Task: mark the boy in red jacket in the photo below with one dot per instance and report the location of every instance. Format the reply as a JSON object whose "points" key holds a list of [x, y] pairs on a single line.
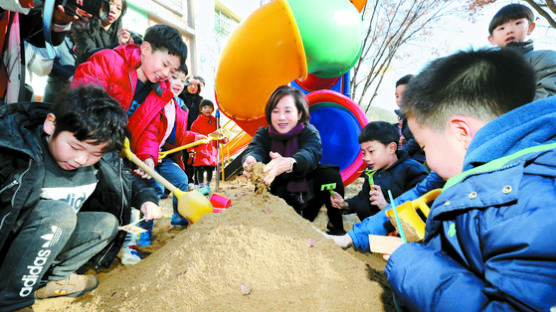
{"points": [[136, 76]]}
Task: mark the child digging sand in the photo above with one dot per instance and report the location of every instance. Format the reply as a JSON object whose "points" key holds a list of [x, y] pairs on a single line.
{"points": [[389, 169], [488, 243], [62, 200]]}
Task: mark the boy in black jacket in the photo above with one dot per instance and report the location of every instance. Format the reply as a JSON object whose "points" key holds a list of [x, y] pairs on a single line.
{"points": [[63, 193], [389, 169]]}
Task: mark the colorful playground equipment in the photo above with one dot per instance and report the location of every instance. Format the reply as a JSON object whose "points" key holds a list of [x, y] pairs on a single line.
{"points": [[339, 121], [287, 40]]}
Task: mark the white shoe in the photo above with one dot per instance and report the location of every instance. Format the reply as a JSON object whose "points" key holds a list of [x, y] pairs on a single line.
{"points": [[130, 256]]}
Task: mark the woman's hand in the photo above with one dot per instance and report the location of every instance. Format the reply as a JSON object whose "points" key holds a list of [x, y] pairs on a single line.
{"points": [[337, 201], [60, 17], [248, 161], [150, 210], [276, 167], [376, 197], [124, 37]]}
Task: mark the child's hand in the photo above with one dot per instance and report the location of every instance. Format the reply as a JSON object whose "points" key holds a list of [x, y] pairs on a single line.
{"points": [[141, 173], [150, 210], [337, 201], [376, 197], [248, 161], [225, 140], [199, 137], [343, 241], [276, 167]]}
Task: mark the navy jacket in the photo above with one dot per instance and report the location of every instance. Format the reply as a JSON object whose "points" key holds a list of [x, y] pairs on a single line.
{"points": [[489, 243], [402, 176]]}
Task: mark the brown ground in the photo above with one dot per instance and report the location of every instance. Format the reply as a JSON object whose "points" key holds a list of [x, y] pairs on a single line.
{"points": [[259, 255]]}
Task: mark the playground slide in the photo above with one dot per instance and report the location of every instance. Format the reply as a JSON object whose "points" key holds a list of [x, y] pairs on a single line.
{"points": [[282, 41]]}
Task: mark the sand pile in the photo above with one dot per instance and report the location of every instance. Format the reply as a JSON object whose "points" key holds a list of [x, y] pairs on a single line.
{"points": [[259, 255]]}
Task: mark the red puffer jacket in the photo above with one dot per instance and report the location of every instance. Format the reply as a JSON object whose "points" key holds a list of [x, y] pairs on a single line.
{"points": [[116, 71], [205, 154], [183, 136]]}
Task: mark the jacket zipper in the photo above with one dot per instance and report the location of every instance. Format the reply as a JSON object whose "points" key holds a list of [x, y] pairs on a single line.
{"points": [[12, 184], [109, 246]]}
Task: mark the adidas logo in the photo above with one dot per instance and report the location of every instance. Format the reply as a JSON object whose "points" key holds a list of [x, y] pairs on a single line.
{"points": [[41, 259]]}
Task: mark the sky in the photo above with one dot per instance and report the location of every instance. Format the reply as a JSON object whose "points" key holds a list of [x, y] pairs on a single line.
{"points": [[452, 34]]}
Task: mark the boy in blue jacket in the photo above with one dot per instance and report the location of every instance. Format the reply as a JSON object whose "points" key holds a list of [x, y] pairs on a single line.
{"points": [[389, 169], [487, 241]]}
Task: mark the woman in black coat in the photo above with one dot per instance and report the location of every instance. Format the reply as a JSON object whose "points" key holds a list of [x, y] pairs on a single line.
{"points": [[101, 34], [291, 149]]}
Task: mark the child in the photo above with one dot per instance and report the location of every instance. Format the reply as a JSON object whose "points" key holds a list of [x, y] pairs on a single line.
{"points": [[291, 149], [487, 242], [191, 97], [510, 27], [409, 144], [393, 170], [62, 198], [206, 157], [136, 77], [176, 135]]}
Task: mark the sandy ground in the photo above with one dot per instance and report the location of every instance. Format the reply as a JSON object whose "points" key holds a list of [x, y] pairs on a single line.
{"points": [[258, 255]]}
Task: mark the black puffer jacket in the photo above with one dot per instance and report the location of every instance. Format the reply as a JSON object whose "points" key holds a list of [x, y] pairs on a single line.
{"points": [[22, 174]]}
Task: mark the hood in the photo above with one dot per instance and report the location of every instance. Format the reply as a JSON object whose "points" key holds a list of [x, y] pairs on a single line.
{"points": [[529, 125], [19, 123]]}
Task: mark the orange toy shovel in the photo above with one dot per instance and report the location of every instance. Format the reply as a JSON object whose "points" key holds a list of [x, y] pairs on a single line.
{"points": [[191, 205]]}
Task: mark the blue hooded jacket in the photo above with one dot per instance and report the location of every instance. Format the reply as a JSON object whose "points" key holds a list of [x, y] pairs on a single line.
{"points": [[489, 243]]}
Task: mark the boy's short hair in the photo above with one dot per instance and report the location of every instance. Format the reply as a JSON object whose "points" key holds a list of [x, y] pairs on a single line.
{"points": [[137, 38], [404, 80], [206, 102], [164, 37], [183, 69], [484, 84], [510, 12], [299, 100], [381, 131], [90, 113]]}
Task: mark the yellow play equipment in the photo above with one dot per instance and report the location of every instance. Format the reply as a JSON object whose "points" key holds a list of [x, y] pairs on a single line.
{"points": [[273, 29], [410, 219], [191, 205]]}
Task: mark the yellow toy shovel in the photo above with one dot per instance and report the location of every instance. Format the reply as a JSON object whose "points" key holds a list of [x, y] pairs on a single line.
{"points": [[412, 224], [216, 135], [191, 205]]}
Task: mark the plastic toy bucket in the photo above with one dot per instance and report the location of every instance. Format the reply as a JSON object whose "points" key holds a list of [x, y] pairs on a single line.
{"points": [[219, 202]]}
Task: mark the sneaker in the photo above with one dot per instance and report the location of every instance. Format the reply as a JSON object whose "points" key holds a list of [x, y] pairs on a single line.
{"points": [[331, 230], [130, 255], [145, 239], [73, 286], [204, 190], [178, 220]]}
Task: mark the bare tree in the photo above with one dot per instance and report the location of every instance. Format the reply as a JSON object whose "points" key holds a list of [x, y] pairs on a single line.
{"points": [[389, 25], [546, 9]]}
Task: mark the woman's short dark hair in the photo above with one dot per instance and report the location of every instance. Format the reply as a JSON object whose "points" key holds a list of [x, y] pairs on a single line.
{"points": [[90, 113], [298, 98], [200, 79]]}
